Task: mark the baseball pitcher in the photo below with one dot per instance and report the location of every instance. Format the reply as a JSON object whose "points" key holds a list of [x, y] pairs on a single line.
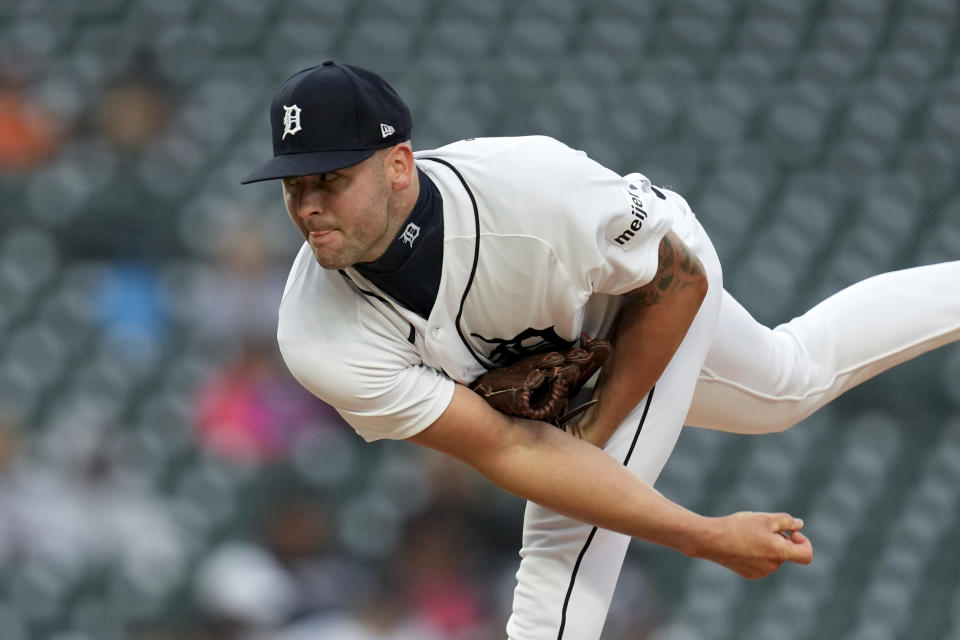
{"points": [[506, 259]]}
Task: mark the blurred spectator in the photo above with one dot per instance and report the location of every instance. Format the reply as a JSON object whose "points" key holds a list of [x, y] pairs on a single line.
{"points": [[29, 134], [299, 534], [130, 309], [435, 562], [385, 614], [123, 219], [69, 512], [495, 515], [246, 594], [135, 108], [252, 410], [8, 445], [241, 296], [241, 590]]}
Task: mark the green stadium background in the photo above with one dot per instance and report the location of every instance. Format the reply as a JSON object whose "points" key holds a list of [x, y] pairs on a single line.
{"points": [[162, 477]]}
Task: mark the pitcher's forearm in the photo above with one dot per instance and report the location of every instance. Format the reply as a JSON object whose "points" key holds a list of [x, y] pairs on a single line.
{"points": [[536, 461], [578, 480]]}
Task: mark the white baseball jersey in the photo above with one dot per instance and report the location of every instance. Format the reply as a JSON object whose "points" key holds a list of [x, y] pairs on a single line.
{"points": [[537, 242]]}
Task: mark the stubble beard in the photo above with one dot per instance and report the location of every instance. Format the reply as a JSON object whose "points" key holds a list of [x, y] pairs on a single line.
{"points": [[371, 227]]}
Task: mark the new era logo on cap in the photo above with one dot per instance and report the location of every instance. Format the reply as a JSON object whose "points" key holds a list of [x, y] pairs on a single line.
{"points": [[329, 117]]}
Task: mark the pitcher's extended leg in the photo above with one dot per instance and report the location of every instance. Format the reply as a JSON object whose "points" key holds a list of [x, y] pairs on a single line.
{"points": [[758, 380]]}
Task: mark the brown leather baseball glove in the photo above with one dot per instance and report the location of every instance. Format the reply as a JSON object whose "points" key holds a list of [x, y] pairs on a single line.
{"points": [[540, 386]]}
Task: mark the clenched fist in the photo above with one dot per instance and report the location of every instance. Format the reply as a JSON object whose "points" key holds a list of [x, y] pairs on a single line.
{"points": [[756, 544]]}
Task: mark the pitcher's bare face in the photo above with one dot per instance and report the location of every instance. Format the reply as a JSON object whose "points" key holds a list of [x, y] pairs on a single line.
{"points": [[343, 214]]}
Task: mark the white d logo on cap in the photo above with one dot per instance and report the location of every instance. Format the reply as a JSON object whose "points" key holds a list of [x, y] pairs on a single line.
{"points": [[291, 120]]}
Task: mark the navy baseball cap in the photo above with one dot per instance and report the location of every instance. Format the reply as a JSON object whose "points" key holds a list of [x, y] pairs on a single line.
{"points": [[329, 117]]}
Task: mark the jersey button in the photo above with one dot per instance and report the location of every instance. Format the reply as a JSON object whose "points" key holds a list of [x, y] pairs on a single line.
{"points": [[435, 332]]}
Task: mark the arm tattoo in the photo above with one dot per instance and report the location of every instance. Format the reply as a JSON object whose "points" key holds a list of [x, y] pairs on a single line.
{"points": [[678, 268]]}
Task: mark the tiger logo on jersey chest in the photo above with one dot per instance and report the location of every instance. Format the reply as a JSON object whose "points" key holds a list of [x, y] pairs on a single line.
{"points": [[526, 343]]}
